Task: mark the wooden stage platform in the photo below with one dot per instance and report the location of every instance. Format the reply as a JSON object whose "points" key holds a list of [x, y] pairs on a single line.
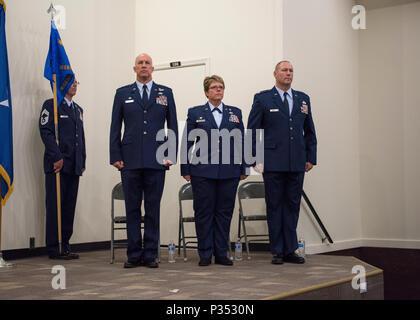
{"points": [[92, 277]]}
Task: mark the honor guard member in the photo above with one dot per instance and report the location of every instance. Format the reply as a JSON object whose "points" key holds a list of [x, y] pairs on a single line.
{"points": [[68, 158], [214, 183], [144, 107], [289, 151]]}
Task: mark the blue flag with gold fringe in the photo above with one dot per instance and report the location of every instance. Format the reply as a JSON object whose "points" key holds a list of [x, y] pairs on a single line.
{"points": [[58, 63], [6, 137]]}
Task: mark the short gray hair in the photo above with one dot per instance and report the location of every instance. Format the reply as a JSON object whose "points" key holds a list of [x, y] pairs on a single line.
{"points": [[283, 61]]}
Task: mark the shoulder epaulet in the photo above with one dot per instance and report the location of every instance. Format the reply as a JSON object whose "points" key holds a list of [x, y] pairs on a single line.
{"points": [[124, 88], [300, 93], [233, 108], [163, 87], [264, 91], [195, 108], [49, 103], [78, 106]]}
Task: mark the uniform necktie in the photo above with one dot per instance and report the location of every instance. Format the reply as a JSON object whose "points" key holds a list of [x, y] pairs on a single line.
{"points": [[217, 109], [73, 109], [145, 97], [286, 103]]}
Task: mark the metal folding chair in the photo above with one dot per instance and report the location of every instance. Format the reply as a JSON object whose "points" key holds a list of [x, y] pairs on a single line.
{"points": [[250, 190], [186, 193], [120, 222]]}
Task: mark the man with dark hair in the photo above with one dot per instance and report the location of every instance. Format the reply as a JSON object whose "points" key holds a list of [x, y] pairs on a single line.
{"points": [[68, 158]]}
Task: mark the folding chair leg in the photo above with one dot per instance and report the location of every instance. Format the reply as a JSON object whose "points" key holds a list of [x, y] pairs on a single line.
{"points": [[246, 240], [179, 237], [239, 226], [112, 243], [183, 241]]}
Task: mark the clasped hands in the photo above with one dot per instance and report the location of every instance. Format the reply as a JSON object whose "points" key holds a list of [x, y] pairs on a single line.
{"points": [[120, 164]]}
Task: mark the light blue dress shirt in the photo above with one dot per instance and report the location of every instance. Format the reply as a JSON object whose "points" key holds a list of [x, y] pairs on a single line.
{"points": [[68, 101], [289, 98], [217, 115], [149, 88]]}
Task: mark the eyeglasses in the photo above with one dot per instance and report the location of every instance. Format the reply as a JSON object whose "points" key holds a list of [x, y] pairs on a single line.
{"points": [[217, 87]]}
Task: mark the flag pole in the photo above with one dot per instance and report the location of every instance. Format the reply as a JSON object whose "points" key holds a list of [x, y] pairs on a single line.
{"points": [[52, 11], [57, 175], [3, 264]]}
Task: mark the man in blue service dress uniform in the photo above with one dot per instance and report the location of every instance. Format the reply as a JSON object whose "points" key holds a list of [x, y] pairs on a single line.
{"points": [[214, 180], [289, 151], [144, 107], [68, 158]]}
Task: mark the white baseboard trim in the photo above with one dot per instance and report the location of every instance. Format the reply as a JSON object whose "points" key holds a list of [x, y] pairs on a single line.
{"points": [[336, 246], [392, 243], [357, 243]]}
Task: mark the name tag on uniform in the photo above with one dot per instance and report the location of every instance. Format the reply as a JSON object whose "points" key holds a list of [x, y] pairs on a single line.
{"points": [[201, 120], [129, 101], [64, 117], [274, 110]]}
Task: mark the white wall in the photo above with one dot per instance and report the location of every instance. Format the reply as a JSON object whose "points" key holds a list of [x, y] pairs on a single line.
{"points": [[319, 40], [389, 127], [99, 42], [242, 39], [244, 42]]}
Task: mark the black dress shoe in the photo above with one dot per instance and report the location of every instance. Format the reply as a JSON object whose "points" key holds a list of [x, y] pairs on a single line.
{"points": [[204, 262], [225, 261], [294, 258], [133, 264], [151, 264], [59, 257], [277, 259], [71, 255]]}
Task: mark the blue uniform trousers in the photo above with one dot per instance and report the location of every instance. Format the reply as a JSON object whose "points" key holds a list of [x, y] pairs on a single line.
{"points": [[283, 192], [214, 201], [69, 185], [137, 182]]}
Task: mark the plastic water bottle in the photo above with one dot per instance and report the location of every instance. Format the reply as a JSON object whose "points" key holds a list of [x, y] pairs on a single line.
{"points": [[301, 247], [171, 252], [238, 250]]}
